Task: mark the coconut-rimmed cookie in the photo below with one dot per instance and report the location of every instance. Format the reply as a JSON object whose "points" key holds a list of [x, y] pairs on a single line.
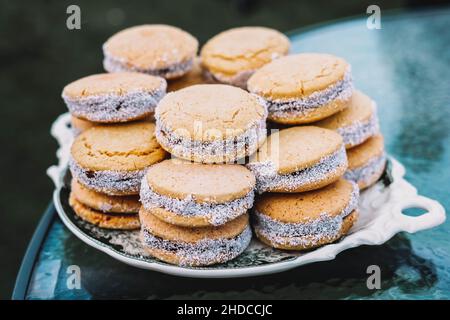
{"points": [[159, 50], [114, 97], [303, 88], [299, 221], [366, 162], [79, 125], [356, 123], [299, 159], [232, 56], [110, 220], [112, 159], [211, 123], [197, 195], [193, 77], [194, 246], [103, 202]]}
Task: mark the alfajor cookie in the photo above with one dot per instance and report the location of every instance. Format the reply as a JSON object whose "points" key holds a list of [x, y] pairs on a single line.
{"points": [[197, 195], [107, 220], [356, 123], [211, 123], [194, 246], [299, 159], [79, 125], [159, 50], [232, 56], [114, 97], [112, 159], [303, 88], [299, 221], [366, 162], [194, 76]]}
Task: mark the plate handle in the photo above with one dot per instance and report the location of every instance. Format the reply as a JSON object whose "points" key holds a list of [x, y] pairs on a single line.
{"points": [[434, 215]]}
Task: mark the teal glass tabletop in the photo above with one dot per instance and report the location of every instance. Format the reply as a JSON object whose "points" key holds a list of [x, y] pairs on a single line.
{"points": [[405, 67]]}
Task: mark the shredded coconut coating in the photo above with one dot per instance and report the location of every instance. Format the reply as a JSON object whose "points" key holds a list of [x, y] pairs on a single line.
{"points": [[111, 182], [359, 132], [341, 90], [112, 64], [305, 234], [365, 173], [244, 144], [114, 107], [203, 252], [216, 213], [267, 177]]}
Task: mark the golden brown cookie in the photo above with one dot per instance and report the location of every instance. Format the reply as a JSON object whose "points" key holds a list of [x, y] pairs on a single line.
{"points": [[196, 195], [210, 123], [303, 88], [299, 159], [114, 97], [193, 77], [160, 50], [298, 221], [232, 56], [119, 221], [112, 159], [194, 246], [366, 162], [356, 123], [104, 203]]}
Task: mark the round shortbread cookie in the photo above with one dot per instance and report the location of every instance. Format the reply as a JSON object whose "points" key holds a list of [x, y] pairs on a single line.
{"points": [[195, 195], [210, 123], [159, 50], [114, 97], [298, 159], [297, 221], [232, 56], [356, 123], [366, 162], [303, 88], [112, 159], [194, 246], [104, 220]]}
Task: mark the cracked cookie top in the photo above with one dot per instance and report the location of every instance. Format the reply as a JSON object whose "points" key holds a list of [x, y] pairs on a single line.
{"points": [[209, 112], [243, 49], [297, 76], [120, 147]]}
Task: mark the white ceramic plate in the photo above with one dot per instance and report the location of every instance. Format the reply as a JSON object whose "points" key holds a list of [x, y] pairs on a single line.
{"points": [[380, 218]]}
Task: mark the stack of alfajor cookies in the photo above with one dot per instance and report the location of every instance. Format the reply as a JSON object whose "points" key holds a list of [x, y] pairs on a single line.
{"points": [[301, 181]]}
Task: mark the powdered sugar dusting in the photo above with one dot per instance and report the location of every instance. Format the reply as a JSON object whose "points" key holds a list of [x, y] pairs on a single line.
{"points": [[216, 213], [114, 107], [358, 132], [203, 252], [108, 181], [309, 233], [267, 177], [283, 108], [365, 173]]}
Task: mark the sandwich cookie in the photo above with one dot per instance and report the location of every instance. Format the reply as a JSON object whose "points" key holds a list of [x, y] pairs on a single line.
{"points": [[194, 246], [299, 221], [159, 50], [114, 97], [303, 88], [112, 159], [194, 76], [356, 123], [299, 159], [366, 162], [197, 195], [107, 220], [232, 56], [211, 123], [79, 125]]}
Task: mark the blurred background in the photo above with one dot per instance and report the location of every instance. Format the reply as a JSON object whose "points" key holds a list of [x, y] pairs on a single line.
{"points": [[39, 55]]}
